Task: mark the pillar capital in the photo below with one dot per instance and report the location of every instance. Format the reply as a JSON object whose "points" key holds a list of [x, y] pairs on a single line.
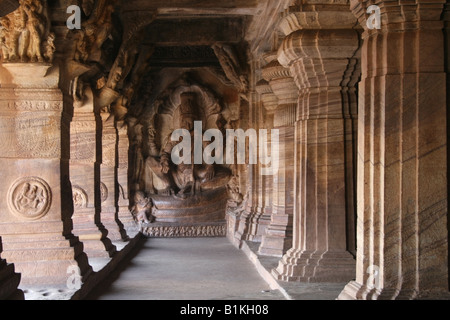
{"points": [[274, 70], [399, 16], [281, 82], [326, 16], [268, 98], [318, 44]]}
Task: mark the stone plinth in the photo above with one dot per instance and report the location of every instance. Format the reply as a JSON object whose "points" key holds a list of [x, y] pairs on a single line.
{"points": [[201, 215], [34, 220]]}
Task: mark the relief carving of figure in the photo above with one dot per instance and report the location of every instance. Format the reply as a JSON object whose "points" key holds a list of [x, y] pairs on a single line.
{"points": [[234, 193], [184, 180], [5, 32], [36, 28], [30, 197], [137, 158], [25, 35], [142, 208]]}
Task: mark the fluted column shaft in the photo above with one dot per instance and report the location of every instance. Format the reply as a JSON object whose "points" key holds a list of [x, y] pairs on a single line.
{"points": [[109, 189], [85, 179], [323, 60], [124, 215], [402, 155], [278, 236], [256, 216]]}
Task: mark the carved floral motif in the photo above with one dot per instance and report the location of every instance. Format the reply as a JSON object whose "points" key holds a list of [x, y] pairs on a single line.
{"points": [[185, 231]]}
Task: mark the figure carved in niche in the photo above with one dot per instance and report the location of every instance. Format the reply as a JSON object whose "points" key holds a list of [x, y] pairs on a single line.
{"points": [[142, 208], [136, 148], [184, 180], [234, 193], [25, 36]]}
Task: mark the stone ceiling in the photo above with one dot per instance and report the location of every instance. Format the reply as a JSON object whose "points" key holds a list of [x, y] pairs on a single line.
{"points": [[205, 22], [183, 32]]}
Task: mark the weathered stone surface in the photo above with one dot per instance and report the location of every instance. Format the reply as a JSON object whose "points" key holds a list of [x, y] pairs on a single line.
{"points": [[85, 179], [34, 221], [319, 60], [402, 157], [86, 114], [278, 235]]}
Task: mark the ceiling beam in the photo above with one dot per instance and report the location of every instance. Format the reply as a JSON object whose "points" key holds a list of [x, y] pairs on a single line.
{"points": [[242, 7], [198, 31]]}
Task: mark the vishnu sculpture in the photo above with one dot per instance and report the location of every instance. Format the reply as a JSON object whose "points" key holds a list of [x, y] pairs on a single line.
{"points": [[179, 192], [184, 179]]}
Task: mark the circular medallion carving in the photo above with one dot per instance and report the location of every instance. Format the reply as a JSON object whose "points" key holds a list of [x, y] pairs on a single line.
{"points": [[80, 198], [30, 198], [103, 192]]}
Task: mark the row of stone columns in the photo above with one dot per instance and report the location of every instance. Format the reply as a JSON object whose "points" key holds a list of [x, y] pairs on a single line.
{"points": [[390, 166], [61, 205], [35, 218]]}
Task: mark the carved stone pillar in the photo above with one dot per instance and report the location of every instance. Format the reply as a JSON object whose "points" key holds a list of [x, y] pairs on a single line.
{"points": [[9, 281], [124, 215], [36, 201], [402, 155], [108, 180], [85, 178], [278, 237], [320, 49], [256, 216]]}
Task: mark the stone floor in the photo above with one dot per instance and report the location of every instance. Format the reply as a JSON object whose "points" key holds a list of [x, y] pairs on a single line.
{"points": [[202, 269], [185, 269]]}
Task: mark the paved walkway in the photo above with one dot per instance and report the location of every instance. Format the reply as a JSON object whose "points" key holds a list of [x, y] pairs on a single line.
{"points": [[186, 269]]}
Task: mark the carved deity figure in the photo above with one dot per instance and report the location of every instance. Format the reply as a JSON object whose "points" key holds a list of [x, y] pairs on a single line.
{"points": [[184, 180], [31, 197], [234, 193], [25, 35], [36, 24], [137, 158], [5, 31], [142, 208]]}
